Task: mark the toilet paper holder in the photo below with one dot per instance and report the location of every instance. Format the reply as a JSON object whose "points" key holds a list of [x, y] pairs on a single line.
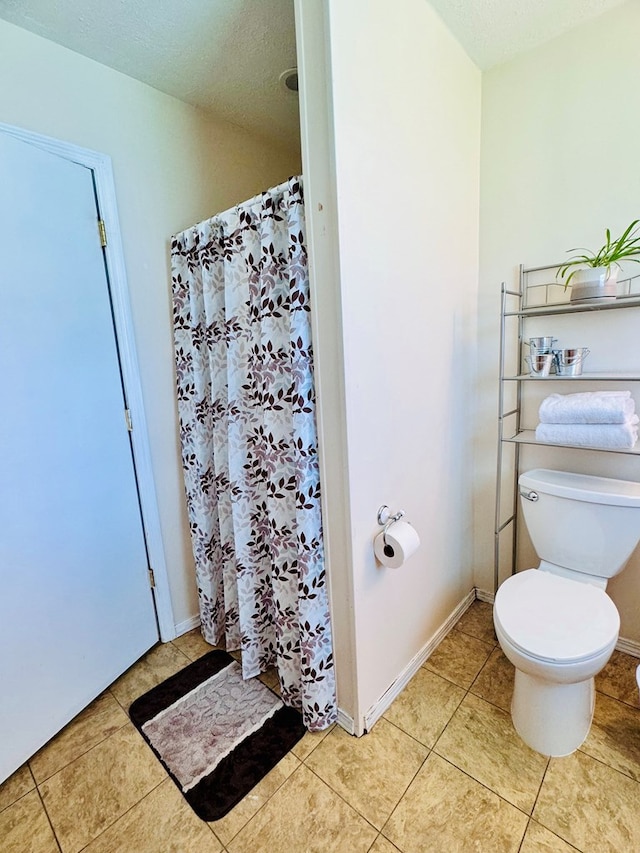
{"points": [[386, 519]]}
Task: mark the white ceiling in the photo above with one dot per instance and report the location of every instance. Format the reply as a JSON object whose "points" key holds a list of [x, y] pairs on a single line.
{"points": [[493, 31], [226, 56]]}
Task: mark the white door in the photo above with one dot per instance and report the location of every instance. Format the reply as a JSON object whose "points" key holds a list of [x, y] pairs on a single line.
{"points": [[76, 608]]}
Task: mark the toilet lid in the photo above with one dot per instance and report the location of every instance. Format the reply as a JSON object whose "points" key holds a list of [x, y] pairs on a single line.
{"points": [[555, 618]]}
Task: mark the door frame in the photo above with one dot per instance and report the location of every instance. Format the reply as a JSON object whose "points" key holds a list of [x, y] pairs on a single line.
{"points": [[100, 165]]}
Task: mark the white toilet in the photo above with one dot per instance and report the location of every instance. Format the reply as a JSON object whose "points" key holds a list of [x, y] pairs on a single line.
{"points": [[556, 623]]}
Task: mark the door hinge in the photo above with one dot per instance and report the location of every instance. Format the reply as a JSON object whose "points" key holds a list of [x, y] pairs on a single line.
{"points": [[152, 578], [103, 233], [127, 419]]}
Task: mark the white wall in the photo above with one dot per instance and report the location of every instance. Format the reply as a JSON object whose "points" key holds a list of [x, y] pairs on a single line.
{"points": [[405, 104], [560, 142], [173, 167], [322, 237]]}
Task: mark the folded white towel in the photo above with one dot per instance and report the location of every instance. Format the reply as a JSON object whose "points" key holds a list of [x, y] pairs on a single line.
{"points": [[617, 436], [591, 407]]}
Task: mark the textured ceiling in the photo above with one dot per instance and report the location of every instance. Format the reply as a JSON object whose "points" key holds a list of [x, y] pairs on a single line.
{"points": [[226, 56], [493, 31]]}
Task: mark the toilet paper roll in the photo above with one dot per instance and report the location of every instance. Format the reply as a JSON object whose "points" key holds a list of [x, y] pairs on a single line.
{"points": [[402, 541]]}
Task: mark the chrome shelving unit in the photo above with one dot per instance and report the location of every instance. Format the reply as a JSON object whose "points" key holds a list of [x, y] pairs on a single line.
{"points": [[538, 296]]}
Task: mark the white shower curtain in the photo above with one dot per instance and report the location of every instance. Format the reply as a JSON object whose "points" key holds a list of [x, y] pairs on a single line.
{"points": [[249, 446]]}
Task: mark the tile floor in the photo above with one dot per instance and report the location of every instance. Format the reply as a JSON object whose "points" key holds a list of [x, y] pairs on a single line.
{"points": [[442, 771]]}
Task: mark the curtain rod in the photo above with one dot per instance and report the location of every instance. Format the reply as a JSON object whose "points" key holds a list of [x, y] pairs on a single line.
{"points": [[256, 198], [243, 204]]}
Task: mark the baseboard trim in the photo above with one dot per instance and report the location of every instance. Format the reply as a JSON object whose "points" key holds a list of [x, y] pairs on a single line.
{"points": [[393, 691], [346, 722], [187, 625], [629, 647], [481, 595]]}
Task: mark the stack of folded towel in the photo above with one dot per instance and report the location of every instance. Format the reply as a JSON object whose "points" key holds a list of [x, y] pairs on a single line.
{"points": [[592, 419]]}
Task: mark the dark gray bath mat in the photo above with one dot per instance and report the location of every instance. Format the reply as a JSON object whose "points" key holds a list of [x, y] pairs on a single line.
{"points": [[216, 734]]}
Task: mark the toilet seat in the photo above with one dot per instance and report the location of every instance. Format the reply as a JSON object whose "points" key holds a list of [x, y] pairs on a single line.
{"points": [[554, 618]]}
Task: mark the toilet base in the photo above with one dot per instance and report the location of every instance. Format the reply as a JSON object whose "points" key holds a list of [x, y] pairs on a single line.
{"points": [[553, 719]]}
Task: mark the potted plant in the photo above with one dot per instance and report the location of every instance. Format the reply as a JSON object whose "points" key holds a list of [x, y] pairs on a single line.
{"points": [[593, 275]]}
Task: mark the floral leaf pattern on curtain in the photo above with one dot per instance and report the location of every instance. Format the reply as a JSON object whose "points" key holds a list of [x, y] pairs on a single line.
{"points": [[246, 401]]}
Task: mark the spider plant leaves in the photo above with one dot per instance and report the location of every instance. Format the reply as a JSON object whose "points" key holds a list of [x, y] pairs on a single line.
{"points": [[627, 234], [626, 247]]}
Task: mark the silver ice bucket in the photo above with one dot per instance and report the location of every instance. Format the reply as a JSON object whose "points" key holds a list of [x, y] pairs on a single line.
{"points": [[541, 345], [569, 361], [540, 363]]}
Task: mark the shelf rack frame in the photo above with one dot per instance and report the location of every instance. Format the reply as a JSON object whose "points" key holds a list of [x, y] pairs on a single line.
{"points": [[628, 297]]}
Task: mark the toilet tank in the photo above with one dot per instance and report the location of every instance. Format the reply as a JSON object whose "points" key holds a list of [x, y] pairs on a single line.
{"points": [[582, 523]]}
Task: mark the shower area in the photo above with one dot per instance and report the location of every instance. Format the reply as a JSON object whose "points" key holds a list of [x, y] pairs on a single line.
{"points": [[246, 401]]}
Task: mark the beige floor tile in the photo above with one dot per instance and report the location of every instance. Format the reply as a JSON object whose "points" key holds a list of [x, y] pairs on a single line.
{"points": [[495, 680], [100, 719], [371, 772], [589, 805], [445, 810], [270, 679], [92, 792], [481, 740], [618, 678], [477, 621], [162, 821], [614, 738], [383, 845], [309, 742], [537, 839], [157, 665], [459, 658], [16, 786], [305, 815], [193, 644], [230, 825], [425, 706], [24, 827]]}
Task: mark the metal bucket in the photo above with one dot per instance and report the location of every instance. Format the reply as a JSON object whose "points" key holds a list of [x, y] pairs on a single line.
{"points": [[540, 363], [538, 349], [541, 345], [569, 361]]}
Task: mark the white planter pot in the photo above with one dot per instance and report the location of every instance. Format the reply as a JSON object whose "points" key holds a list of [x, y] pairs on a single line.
{"points": [[597, 284]]}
